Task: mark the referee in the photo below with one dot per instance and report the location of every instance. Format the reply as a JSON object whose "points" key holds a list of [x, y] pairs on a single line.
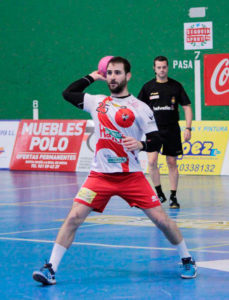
{"points": [[163, 95]]}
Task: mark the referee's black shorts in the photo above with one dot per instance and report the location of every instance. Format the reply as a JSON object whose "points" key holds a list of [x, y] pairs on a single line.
{"points": [[171, 140]]}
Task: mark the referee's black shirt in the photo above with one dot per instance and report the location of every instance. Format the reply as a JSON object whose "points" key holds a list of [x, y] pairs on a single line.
{"points": [[163, 99]]}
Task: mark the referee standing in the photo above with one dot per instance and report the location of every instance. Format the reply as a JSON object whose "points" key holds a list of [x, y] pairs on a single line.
{"points": [[163, 95]]}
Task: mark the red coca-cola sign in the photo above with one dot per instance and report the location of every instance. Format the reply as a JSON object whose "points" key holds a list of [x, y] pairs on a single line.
{"points": [[216, 79]]}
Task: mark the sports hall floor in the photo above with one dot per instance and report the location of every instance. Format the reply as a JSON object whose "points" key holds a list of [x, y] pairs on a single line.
{"points": [[118, 254]]}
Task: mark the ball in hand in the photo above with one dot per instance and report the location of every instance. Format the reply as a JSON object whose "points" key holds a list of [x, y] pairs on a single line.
{"points": [[102, 66]]}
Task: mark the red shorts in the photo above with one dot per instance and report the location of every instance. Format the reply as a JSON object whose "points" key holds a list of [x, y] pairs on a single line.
{"points": [[134, 188]]}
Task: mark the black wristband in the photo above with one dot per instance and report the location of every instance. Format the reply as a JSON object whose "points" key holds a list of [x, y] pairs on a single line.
{"points": [[144, 146], [189, 128]]}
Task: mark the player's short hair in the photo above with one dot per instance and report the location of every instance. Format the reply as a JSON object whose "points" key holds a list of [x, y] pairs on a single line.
{"points": [[160, 58], [124, 61]]}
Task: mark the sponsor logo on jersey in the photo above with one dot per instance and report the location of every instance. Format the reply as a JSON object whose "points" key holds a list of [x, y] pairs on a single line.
{"points": [[154, 96], [112, 160], [113, 133], [110, 134], [124, 117], [116, 105], [173, 100], [156, 108]]}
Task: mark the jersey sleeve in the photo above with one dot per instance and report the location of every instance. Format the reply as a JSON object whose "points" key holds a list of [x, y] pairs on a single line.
{"points": [[146, 119], [91, 101], [74, 92]]}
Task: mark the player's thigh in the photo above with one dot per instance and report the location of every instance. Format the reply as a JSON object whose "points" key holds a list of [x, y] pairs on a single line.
{"points": [[138, 192], [156, 214], [96, 191]]}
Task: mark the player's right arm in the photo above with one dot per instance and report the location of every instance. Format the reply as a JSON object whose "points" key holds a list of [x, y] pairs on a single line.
{"points": [[74, 92]]}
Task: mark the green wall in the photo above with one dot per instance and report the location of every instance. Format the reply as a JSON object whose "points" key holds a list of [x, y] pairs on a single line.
{"points": [[45, 45]]}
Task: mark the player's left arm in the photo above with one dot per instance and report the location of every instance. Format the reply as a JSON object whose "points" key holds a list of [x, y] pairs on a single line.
{"points": [[147, 123], [188, 117], [151, 144]]}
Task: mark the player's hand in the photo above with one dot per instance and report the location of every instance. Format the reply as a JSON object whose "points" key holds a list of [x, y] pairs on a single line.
{"points": [[187, 135], [131, 144], [97, 76]]}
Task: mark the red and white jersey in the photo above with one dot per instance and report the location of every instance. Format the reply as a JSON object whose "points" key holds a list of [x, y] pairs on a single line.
{"points": [[114, 119]]}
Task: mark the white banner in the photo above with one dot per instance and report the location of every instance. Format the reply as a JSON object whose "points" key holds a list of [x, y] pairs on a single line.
{"points": [[8, 132], [198, 35]]}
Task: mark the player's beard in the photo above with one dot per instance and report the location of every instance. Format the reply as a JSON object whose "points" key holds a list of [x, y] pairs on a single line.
{"points": [[119, 88]]}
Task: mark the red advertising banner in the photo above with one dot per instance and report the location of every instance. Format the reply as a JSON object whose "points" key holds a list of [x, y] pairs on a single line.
{"points": [[48, 145], [216, 79]]}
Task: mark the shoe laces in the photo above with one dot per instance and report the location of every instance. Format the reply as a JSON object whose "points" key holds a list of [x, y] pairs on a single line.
{"points": [[49, 267], [187, 262]]}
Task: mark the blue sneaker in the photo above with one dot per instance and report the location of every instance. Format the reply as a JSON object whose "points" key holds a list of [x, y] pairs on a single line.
{"points": [[46, 275], [189, 268]]}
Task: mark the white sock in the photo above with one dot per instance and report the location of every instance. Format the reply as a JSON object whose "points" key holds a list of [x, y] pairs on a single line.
{"points": [[56, 256], [182, 249]]}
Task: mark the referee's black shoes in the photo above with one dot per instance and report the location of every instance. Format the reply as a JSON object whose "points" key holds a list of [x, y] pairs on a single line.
{"points": [[173, 202]]}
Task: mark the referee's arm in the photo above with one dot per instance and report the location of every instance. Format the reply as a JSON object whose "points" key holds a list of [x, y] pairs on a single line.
{"points": [[188, 117]]}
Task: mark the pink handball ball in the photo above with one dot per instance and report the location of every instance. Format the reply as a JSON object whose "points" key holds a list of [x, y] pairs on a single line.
{"points": [[102, 66]]}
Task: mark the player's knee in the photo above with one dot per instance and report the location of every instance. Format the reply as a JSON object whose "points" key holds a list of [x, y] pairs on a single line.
{"points": [[74, 219], [152, 164], [172, 163], [162, 222]]}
